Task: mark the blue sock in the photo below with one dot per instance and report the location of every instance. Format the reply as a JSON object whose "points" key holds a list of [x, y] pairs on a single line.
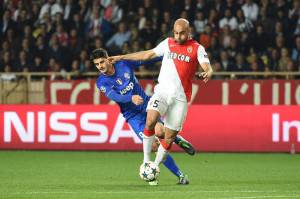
{"points": [[171, 165]]}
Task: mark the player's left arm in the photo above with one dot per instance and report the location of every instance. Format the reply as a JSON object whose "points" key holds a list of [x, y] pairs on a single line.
{"points": [[208, 71], [204, 63]]}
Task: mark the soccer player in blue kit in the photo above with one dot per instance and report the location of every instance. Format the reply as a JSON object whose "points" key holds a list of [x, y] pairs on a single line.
{"points": [[118, 82]]}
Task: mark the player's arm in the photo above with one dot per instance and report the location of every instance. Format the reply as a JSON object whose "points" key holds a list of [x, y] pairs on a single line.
{"points": [[136, 64], [113, 95], [136, 99], [142, 55], [204, 63], [208, 71], [158, 51]]}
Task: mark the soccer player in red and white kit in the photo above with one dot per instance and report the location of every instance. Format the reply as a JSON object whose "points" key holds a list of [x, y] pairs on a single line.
{"points": [[181, 56]]}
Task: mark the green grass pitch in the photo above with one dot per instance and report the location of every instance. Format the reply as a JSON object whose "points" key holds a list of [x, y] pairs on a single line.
{"points": [[81, 175]]}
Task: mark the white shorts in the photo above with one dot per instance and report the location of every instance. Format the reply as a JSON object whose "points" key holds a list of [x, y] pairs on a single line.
{"points": [[173, 110]]}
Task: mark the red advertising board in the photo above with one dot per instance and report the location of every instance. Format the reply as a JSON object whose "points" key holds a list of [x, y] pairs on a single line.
{"points": [[231, 92], [239, 128]]}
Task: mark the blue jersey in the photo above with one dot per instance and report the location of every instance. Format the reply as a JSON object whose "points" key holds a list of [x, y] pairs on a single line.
{"points": [[122, 85]]}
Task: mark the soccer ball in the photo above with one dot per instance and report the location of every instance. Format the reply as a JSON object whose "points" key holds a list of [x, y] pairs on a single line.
{"points": [[149, 171]]}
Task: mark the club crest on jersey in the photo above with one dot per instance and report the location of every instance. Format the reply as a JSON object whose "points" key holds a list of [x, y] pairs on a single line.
{"points": [[119, 81], [126, 75], [179, 57], [190, 49]]}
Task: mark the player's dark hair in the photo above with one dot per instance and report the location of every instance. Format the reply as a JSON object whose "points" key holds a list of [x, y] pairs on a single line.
{"points": [[98, 53]]}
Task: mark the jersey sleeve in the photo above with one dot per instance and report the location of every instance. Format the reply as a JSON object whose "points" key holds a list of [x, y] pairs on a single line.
{"points": [[118, 97], [113, 95], [202, 55], [161, 48]]}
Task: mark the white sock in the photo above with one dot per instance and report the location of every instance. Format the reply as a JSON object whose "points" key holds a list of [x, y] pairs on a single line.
{"points": [[147, 147], [161, 154]]}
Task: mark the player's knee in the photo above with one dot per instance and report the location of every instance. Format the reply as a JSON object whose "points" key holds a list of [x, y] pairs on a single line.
{"points": [[159, 130], [155, 145]]}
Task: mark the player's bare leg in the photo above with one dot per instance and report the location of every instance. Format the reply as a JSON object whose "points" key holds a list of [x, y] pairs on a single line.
{"points": [[168, 161], [165, 145], [179, 140], [152, 118], [163, 149], [159, 130]]}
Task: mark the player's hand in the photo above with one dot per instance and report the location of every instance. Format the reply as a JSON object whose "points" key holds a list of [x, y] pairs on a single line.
{"points": [[137, 100], [114, 59], [205, 76]]}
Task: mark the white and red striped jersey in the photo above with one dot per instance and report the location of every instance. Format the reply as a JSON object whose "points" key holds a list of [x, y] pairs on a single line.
{"points": [[179, 64]]}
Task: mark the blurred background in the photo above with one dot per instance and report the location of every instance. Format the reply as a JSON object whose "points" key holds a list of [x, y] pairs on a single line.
{"points": [[253, 46], [238, 122], [58, 35]]}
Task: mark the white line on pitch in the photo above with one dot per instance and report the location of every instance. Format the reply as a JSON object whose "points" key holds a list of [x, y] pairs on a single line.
{"points": [[154, 191], [258, 197]]}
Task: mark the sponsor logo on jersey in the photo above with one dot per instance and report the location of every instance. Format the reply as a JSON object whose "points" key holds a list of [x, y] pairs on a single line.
{"points": [[119, 81], [126, 75], [129, 87], [103, 89], [180, 57], [190, 49]]}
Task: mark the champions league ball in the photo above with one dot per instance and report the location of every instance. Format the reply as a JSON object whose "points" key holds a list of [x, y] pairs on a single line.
{"points": [[149, 171]]}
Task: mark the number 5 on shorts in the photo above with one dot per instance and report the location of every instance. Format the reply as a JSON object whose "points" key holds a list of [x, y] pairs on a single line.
{"points": [[155, 103]]}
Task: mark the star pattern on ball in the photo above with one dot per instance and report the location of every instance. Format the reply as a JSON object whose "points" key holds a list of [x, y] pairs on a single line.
{"points": [[145, 175], [154, 171]]}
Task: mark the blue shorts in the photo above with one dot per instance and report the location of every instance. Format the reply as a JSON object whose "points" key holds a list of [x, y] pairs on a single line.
{"points": [[138, 122]]}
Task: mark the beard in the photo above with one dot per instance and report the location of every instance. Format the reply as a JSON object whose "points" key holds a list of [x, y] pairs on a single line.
{"points": [[180, 41]]}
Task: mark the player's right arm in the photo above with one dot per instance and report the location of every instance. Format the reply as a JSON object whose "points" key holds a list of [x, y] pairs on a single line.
{"points": [[158, 51], [142, 55], [136, 64], [136, 99]]}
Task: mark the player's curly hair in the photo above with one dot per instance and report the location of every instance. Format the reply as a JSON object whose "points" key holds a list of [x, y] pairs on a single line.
{"points": [[98, 53]]}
